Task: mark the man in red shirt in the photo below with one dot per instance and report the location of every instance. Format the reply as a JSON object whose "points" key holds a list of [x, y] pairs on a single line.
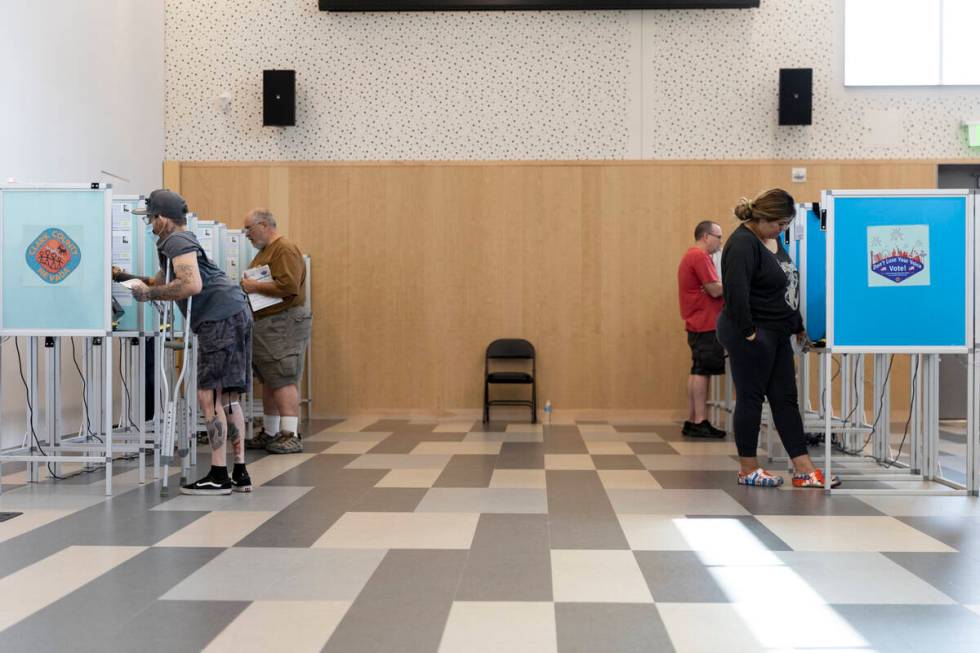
{"points": [[699, 291]]}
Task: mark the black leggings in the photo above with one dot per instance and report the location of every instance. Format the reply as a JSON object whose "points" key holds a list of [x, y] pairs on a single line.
{"points": [[763, 368]]}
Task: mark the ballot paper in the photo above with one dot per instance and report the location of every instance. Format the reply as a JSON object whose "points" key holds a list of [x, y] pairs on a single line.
{"points": [[258, 300]]}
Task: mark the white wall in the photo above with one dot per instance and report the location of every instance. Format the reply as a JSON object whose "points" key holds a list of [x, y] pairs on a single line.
{"points": [[528, 85], [81, 91]]}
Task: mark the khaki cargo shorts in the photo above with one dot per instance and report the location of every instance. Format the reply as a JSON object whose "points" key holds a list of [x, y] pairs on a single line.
{"points": [[279, 347]]}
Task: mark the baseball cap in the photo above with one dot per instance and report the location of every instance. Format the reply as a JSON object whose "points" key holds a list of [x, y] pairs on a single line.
{"points": [[164, 202]]}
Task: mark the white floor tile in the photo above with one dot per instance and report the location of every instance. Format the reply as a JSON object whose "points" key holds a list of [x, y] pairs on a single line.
{"points": [[32, 588], [628, 479], [484, 500], [822, 533], [31, 519], [267, 468], [590, 576], [490, 627], [568, 461], [218, 529], [458, 448], [296, 626], [609, 448], [518, 478], [401, 530], [400, 461], [264, 498]]}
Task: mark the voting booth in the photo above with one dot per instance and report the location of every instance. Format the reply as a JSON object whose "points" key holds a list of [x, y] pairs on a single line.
{"points": [[55, 278], [900, 280]]}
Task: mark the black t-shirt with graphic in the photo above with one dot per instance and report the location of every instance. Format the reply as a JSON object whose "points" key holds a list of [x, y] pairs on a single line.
{"points": [[761, 289]]}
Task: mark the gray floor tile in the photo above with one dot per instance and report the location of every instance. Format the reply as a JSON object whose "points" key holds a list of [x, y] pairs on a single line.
{"points": [[521, 455], [467, 471], [955, 574], [951, 629], [509, 560], [404, 606], [400, 461], [485, 500], [767, 501], [679, 577], [400, 426], [961, 533], [124, 520], [317, 471], [382, 499], [616, 462], [265, 498], [581, 514], [305, 520], [563, 439], [661, 448], [610, 628], [114, 600], [694, 479], [674, 502], [639, 428], [168, 626]]}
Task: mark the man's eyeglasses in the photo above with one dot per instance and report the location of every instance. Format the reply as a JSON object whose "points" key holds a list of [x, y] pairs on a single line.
{"points": [[148, 219], [718, 236]]}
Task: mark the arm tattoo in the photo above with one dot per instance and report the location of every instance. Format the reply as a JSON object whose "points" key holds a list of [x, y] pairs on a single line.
{"points": [[176, 289]]}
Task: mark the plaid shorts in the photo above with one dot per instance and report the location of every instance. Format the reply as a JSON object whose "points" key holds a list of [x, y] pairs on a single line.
{"points": [[280, 347], [224, 353]]}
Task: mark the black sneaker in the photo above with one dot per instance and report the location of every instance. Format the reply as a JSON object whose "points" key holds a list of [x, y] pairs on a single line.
{"points": [[718, 433], [702, 430], [687, 427], [209, 485], [240, 480]]}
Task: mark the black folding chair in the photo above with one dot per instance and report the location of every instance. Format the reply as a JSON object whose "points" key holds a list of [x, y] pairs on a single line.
{"points": [[510, 349]]}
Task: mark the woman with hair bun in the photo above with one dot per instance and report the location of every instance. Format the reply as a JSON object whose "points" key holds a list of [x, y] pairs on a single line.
{"points": [[761, 313]]}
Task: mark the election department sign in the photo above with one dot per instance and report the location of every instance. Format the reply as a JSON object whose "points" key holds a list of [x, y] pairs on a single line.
{"points": [[53, 255], [898, 256]]}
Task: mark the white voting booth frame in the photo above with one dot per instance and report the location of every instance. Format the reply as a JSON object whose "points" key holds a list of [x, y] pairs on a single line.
{"points": [[900, 281], [78, 216]]}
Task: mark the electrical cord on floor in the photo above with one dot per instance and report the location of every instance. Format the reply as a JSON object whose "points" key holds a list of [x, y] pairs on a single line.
{"points": [[874, 427], [905, 431], [833, 377], [128, 398], [88, 423], [30, 408]]}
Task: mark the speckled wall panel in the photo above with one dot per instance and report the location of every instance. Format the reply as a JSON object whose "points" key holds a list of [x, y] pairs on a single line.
{"points": [[535, 85]]}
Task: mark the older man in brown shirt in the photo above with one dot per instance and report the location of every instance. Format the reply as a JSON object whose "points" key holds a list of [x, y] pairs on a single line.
{"points": [[280, 335]]}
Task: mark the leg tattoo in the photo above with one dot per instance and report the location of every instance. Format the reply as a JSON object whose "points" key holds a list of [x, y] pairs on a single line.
{"points": [[216, 433], [236, 424]]}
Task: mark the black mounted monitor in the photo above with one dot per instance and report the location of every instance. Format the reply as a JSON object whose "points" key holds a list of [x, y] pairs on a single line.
{"points": [[530, 5]]}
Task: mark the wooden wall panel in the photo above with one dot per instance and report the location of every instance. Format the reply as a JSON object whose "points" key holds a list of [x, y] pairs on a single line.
{"points": [[417, 266]]}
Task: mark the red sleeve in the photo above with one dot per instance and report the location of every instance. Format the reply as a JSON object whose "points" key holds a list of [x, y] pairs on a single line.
{"points": [[705, 270]]}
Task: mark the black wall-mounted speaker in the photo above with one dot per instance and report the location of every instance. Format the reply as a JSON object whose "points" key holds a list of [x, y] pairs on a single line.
{"points": [[795, 96], [279, 98]]}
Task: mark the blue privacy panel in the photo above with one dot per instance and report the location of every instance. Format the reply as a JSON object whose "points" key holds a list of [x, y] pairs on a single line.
{"points": [[815, 306], [55, 260], [899, 271]]}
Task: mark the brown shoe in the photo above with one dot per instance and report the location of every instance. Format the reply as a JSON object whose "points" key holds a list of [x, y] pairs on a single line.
{"points": [[259, 441], [285, 442]]}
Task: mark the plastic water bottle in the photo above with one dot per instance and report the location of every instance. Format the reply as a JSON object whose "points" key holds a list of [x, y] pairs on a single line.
{"points": [[547, 411]]}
